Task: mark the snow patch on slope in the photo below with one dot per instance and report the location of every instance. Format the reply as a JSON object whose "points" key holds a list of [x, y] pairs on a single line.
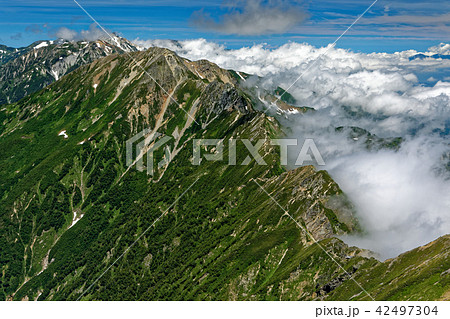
{"points": [[41, 45]]}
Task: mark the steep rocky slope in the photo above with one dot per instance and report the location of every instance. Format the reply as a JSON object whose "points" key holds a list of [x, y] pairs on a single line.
{"points": [[8, 53], [26, 70], [70, 206]]}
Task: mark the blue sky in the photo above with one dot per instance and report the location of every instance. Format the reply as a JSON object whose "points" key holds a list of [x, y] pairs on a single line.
{"points": [[389, 26]]}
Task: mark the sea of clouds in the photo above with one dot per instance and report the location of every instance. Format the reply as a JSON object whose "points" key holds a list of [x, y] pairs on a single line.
{"points": [[402, 197]]}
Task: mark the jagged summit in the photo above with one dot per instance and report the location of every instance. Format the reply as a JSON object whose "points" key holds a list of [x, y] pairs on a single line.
{"points": [[26, 70]]}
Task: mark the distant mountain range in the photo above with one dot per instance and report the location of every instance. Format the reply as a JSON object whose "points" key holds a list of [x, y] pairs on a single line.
{"points": [[422, 56], [70, 206], [26, 70], [8, 53]]}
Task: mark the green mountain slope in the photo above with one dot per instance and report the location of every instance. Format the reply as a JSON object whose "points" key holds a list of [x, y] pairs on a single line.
{"points": [[70, 207]]}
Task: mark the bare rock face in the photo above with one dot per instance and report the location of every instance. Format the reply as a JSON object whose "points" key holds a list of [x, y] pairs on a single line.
{"points": [[220, 97], [309, 193], [26, 70]]}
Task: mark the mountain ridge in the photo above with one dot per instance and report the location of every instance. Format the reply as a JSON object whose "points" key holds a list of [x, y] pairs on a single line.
{"points": [[71, 206], [26, 70]]}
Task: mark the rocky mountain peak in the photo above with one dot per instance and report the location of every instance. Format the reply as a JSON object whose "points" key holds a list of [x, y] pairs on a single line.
{"points": [[29, 69]]}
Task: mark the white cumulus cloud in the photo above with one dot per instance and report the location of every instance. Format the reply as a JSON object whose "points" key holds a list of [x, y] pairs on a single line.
{"points": [[92, 34], [257, 17]]}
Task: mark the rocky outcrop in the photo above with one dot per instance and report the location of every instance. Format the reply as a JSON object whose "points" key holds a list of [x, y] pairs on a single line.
{"points": [[30, 69]]}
